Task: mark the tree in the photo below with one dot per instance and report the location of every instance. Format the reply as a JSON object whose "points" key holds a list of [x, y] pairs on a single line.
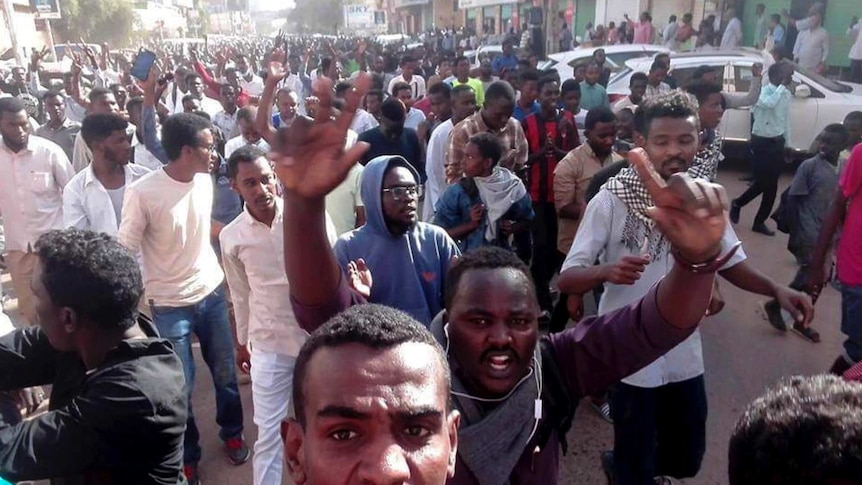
{"points": [[96, 21]]}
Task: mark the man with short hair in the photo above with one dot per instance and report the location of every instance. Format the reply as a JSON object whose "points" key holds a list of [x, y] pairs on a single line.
{"points": [[463, 106], [776, 440], [59, 129], [101, 101], [769, 135], [117, 406], [617, 230], [195, 86], [141, 155], [593, 94], [93, 199], [655, 79], [490, 332], [637, 89], [440, 110], [812, 45], [268, 337], [668, 35], [732, 37], [362, 120], [225, 120], [286, 102], [403, 92], [462, 76], [416, 83], [393, 138], [35, 171], [550, 136], [527, 103], [248, 134], [494, 117], [507, 61], [168, 212]]}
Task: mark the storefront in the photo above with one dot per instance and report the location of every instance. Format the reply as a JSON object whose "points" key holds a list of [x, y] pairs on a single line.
{"points": [[489, 17], [414, 16]]}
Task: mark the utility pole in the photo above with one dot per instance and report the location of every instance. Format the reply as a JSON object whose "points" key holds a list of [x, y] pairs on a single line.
{"points": [[8, 11]]}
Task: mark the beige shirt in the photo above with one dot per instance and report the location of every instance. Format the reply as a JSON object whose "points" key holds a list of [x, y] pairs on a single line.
{"points": [[168, 221], [31, 191], [253, 258], [571, 178]]}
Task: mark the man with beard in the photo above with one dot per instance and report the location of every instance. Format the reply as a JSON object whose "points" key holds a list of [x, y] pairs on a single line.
{"points": [[34, 171], [93, 199], [617, 230], [514, 393], [393, 138]]}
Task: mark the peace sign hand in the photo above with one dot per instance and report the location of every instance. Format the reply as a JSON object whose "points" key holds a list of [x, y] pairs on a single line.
{"points": [[691, 213], [310, 158]]}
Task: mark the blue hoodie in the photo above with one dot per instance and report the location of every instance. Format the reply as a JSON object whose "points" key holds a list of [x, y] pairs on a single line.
{"points": [[409, 269]]}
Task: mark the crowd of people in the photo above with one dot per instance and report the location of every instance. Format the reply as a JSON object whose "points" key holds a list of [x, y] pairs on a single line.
{"points": [[376, 238]]}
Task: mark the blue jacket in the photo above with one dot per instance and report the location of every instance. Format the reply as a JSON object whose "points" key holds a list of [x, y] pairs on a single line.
{"points": [[409, 269]]}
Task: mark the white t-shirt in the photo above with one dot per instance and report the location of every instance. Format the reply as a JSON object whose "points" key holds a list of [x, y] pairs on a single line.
{"points": [[168, 221], [342, 202]]}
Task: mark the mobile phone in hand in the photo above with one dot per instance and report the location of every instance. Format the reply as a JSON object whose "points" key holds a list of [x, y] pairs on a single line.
{"points": [[142, 65]]}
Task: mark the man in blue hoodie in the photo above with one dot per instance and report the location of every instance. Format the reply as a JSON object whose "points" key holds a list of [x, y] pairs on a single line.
{"points": [[411, 257]]}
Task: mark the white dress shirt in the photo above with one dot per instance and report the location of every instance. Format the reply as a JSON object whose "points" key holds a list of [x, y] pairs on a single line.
{"points": [[417, 83], [435, 167], [600, 236], [238, 142], [253, 87], [811, 48], [855, 32], [225, 123], [253, 258], [414, 118], [363, 121], [31, 191], [732, 37], [87, 205]]}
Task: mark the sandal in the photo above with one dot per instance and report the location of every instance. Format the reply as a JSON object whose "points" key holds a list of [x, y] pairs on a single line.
{"points": [[603, 410], [772, 312], [807, 333]]}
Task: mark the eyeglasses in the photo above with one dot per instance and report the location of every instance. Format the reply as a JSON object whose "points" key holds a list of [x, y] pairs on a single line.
{"points": [[404, 193]]}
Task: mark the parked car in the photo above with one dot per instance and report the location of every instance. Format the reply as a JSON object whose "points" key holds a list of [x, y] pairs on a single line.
{"points": [[616, 56], [817, 101], [490, 51]]}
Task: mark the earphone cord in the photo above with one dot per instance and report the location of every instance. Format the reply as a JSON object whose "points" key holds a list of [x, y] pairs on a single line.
{"points": [[532, 372]]}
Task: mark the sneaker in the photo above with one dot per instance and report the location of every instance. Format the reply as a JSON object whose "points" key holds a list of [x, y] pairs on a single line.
{"points": [[607, 459], [603, 410], [237, 451], [190, 470], [734, 212]]}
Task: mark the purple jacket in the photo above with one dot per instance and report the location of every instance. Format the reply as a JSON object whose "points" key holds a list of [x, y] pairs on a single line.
{"points": [[592, 356]]}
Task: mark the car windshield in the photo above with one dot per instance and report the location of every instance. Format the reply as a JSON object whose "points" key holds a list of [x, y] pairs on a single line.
{"points": [[827, 83]]}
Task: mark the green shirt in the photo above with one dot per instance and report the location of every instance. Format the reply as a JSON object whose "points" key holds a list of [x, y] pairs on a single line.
{"points": [[593, 96], [477, 86]]}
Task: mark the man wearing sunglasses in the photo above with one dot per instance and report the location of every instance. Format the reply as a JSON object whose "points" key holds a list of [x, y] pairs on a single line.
{"points": [[408, 258]]}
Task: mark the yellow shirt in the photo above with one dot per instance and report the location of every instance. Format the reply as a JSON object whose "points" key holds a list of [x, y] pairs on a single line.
{"points": [[477, 86]]}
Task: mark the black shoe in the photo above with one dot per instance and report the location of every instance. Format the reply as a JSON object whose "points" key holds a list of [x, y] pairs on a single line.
{"points": [[773, 315], [762, 229], [734, 212], [607, 459]]}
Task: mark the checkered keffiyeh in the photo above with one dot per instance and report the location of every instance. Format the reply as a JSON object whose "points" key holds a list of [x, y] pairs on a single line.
{"points": [[706, 161]]}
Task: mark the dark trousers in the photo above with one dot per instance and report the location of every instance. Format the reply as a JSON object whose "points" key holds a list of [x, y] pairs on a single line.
{"points": [[767, 161], [658, 431], [560, 315], [856, 71], [546, 258]]}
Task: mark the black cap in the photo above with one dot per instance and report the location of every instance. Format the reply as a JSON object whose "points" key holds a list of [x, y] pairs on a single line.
{"points": [[701, 70]]}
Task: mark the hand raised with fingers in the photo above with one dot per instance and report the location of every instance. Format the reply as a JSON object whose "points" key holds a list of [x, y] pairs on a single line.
{"points": [[275, 69], [310, 160], [691, 213]]}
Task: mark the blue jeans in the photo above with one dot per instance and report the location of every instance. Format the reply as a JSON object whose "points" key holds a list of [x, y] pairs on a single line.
{"points": [[851, 320], [208, 320]]}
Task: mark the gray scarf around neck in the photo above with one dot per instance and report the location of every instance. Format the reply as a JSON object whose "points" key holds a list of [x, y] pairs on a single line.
{"points": [[490, 442]]}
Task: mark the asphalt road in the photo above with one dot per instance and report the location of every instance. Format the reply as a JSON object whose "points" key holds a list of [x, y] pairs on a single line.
{"points": [[743, 355]]}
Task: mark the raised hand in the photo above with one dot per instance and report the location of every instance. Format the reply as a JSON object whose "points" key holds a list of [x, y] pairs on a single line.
{"points": [[691, 213], [359, 277], [311, 160], [275, 69]]}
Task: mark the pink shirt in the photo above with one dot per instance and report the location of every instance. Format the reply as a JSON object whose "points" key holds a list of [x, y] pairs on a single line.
{"points": [[643, 33], [850, 244]]}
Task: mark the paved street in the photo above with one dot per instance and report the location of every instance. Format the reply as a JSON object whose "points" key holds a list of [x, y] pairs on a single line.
{"points": [[743, 355]]}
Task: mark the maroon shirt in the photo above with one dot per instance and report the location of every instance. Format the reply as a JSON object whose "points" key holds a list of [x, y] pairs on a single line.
{"points": [[591, 356]]}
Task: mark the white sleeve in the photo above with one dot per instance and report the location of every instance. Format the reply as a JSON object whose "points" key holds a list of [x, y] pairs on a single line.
{"points": [[593, 234], [237, 281]]}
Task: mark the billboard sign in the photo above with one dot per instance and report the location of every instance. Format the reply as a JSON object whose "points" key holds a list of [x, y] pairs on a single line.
{"points": [[45, 9]]}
